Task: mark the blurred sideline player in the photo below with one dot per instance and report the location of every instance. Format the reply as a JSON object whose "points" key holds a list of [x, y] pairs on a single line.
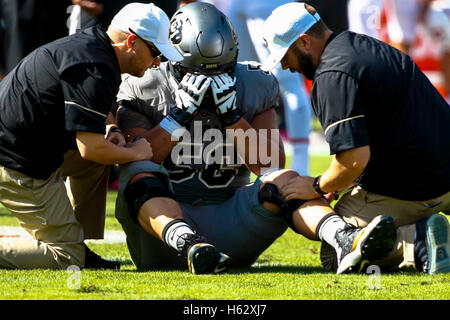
{"points": [[364, 16], [404, 22], [209, 216], [87, 13]]}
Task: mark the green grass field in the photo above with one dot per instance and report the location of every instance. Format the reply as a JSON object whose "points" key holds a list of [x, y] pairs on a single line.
{"points": [[289, 270]]}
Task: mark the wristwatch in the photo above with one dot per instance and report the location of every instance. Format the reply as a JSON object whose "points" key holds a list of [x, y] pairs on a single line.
{"points": [[316, 186]]}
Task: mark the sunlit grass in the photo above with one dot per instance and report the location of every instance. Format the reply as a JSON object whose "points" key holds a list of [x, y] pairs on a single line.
{"points": [[289, 270]]}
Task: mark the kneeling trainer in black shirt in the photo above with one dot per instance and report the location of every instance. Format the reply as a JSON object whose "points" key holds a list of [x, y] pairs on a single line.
{"points": [[65, 86]]}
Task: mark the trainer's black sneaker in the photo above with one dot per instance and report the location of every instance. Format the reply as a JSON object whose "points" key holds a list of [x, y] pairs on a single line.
{"points": [[204, 258], [361, 246], [328, 257], [94, 261], [432, 245]]}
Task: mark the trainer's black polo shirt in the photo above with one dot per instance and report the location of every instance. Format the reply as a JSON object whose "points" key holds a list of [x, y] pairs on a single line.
{"points": [[367, 93], [65, 86]]}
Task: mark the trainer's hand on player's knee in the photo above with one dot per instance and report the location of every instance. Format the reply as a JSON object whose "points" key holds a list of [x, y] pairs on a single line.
{"points": [[300, 187]]}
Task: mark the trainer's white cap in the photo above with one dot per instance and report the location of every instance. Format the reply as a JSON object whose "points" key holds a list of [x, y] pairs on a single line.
{"points": [[150, 23], [283, 27]]}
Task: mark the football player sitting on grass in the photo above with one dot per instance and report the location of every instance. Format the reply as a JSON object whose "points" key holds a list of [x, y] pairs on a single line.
{"points": [[211, 122]]}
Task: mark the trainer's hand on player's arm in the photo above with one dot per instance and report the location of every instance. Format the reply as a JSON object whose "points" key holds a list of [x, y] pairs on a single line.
{"points": [[142, 148], [115, 136], [94, 147], [223, 88], [135, 124]]}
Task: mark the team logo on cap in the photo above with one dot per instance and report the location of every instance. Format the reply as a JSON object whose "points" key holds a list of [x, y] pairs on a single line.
{"points": [[265, 42]]}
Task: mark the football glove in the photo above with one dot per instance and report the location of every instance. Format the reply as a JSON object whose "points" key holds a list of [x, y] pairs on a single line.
{"points": [[223, 89], [188, 97]]}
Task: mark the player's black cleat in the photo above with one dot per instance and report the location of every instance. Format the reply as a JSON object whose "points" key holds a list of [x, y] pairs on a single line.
{"points": [[94, 261], [361, 246], [204, 258]]}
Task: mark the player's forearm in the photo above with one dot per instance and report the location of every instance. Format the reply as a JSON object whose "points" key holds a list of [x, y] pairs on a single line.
{"points": [[135, 124], [257, 147], [162, 143], [344, 169]]}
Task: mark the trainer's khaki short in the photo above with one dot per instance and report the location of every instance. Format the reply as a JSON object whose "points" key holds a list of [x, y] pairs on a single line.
{"points": [[51, 214], [359, 207]]}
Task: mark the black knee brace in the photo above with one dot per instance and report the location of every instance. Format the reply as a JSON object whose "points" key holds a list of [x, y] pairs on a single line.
{"points": [[143, 189], [269, 193]]}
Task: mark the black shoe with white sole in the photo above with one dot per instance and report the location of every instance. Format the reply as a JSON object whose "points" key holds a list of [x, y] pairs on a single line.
{"points": [[359, 247], [204, 258]]}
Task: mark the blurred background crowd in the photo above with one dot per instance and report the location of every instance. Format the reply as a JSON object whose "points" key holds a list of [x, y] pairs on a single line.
{"points": [[418, 27]]}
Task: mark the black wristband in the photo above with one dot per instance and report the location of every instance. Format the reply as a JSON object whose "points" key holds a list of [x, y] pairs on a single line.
{"points": [[182, 117], [316, 186]]}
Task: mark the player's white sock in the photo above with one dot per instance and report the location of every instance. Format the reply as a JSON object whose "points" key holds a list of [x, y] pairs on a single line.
{"points": [[328, 227], [175, 233]]}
